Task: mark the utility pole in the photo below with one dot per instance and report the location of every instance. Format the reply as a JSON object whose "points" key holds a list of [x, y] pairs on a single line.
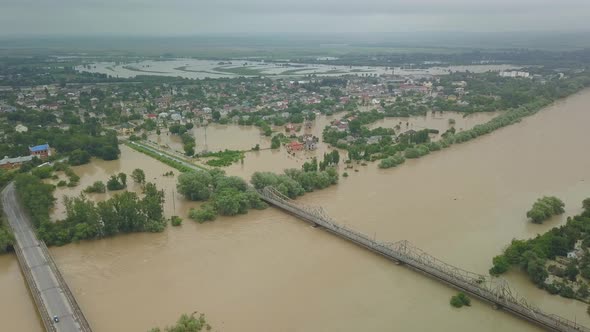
{"points": [[173, 202], [205, 147]]}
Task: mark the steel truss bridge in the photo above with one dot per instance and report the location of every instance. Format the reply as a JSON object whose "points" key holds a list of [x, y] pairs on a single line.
{"points": [[492, 290]]}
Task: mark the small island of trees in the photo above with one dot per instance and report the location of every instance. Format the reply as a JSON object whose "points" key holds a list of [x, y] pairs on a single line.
{"points": [[544, 208], [460, 300], [187, 323]]}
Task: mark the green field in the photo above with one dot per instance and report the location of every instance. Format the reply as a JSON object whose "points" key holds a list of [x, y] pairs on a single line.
{"points": [[243, 71], [144, 71], [183, 68], [293, 71]]}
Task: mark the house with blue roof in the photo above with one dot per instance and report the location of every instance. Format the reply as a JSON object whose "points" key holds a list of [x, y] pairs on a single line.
{"points": [[40, 151]]}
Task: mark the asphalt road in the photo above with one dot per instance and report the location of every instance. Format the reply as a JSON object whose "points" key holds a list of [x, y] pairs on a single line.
{"points": [[37, 262]]}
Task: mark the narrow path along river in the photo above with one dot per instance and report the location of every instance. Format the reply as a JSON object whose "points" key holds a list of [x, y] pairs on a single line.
{"points": [[269, 271]]}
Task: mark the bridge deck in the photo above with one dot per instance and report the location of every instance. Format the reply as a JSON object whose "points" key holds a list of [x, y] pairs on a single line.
{"points": [[48, 288]]}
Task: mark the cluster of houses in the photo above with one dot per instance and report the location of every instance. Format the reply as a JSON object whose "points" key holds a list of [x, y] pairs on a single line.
{"points": [[305, 142], [167, 102]]}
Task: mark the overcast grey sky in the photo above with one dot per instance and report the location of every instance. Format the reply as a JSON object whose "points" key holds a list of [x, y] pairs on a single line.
{"points": [[185, 17]]}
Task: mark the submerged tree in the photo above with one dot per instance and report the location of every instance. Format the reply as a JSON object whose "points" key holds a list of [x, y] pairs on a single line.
{"points": [[138, 176], [187, 323], [544, 208]]}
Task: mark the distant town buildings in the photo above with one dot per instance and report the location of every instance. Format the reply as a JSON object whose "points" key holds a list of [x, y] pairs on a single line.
{"points": [[514, 74]]}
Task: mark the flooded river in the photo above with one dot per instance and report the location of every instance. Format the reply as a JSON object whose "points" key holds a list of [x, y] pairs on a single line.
{"points": [[268, 271]]}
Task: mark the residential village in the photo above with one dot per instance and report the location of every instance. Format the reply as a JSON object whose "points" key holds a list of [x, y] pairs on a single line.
{"points": [[274, 105]]}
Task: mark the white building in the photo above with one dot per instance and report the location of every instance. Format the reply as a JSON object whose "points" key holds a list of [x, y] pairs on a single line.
{"points": [[514, 74], [175, 117], [21, 129]]}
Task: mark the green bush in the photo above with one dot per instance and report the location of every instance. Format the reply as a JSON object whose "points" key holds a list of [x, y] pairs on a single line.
{"points": [[392, 161], [275, 143], [43, 172], [79, 157], [223, 158], [96, 187], [501, 265], [6, 237], [175, 221], [115, 182], [295, 182], [567, 292], [460, 300], [205, 213], [187, 323], [195, 186]]}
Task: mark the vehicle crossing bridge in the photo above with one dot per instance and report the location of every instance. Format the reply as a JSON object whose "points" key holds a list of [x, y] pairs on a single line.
{"points": [[492, 290], [55, 302]]}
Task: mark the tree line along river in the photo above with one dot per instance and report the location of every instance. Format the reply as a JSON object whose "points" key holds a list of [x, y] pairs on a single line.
{"points": [[269, 271]]}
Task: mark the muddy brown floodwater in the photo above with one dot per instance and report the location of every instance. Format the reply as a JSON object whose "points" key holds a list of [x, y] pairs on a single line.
{"points": [[268, 271], [437, 120], [216, 137]]}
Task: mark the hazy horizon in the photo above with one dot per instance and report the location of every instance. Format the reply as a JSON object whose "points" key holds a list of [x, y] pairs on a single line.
{"points": [[186, 18]]}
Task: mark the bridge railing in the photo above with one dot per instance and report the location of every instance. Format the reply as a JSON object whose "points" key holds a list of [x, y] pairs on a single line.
{"points": [[78, 314], [494, 290]]}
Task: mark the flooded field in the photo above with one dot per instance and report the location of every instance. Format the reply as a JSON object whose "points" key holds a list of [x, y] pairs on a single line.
{"points": [[270, 271], [439, 121], [100, 170], [216, 137], [198, 69]]}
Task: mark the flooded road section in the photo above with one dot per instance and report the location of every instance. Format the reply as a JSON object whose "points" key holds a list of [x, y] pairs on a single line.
{"points": [[270, 271]]}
